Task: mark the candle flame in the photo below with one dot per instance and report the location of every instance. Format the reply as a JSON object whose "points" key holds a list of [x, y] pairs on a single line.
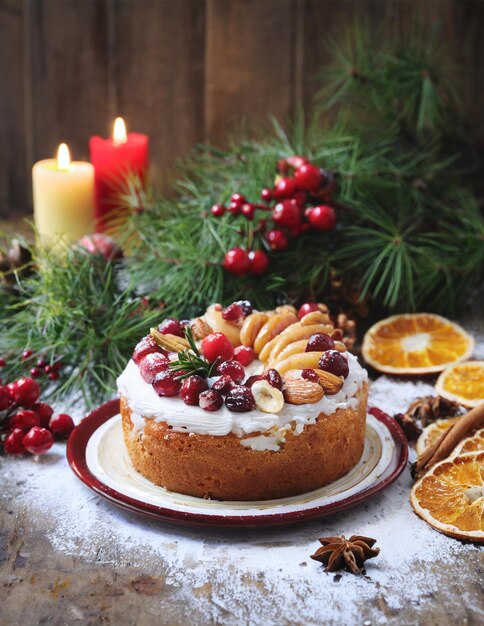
{"points": [[119, 132], [63, 157]]}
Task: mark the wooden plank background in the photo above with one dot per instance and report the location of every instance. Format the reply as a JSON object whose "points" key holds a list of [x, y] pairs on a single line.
{"points": [[183, 71]]}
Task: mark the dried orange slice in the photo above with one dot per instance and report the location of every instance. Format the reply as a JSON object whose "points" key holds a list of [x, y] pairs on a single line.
{"points": [[463, 383], [431, 433], [418, 343], [450, 497], [471, 444]]}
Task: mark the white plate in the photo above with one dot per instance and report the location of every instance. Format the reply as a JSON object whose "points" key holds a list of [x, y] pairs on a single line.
{"points": [[108, 461]]}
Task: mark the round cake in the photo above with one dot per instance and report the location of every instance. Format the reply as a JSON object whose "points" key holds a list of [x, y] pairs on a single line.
{"points": [[244, 405]]}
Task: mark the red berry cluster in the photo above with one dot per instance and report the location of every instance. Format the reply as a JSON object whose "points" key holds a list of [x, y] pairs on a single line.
{"points": [[299, 201], [227, 362], [27, 424], [37, 366]]}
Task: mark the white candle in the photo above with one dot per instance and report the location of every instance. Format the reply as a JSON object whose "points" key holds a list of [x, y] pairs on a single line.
{"points": [[63, 192]]}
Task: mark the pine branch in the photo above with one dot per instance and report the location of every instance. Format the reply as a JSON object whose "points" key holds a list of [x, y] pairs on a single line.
{"points": [[75, 310]]}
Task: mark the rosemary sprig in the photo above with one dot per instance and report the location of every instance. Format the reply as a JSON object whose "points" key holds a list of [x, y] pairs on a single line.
{"points": [[190, 362]]}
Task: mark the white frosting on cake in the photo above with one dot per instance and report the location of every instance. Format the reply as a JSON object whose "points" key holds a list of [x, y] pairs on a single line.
{"points": [[144, 402]]}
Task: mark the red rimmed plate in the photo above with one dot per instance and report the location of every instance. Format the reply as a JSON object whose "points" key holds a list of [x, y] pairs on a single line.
{"points": [[97, 455]]}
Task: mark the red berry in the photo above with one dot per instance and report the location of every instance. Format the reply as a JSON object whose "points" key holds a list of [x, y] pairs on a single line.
{"points": [[246, 306], [25, 420], [236, 261], [296, 161], [232, 313], [276, 239], [240, 400], [26, 354], [244, 355], [146, 346], [217, 346], [273, 378], [218, 210], [25, 392], [4, 398], [233, 369], [310, 374], [322, 217], [53, 376], [238, 198], [41, 363], [223, 384], [210, 400], [287, 214], [308, 177], [234, 208], [285, 188], [151, 365], [300, 198], [44, 411], [166, 383], [35, 372], [101, 244], [61, 424], [334, 362], [13, 443], [248, 211], [3, 361], [266, 195], [252, 379], [191, 389], [307, 307], [319, 342], [259, 262], [171, 326], [38, 440]]}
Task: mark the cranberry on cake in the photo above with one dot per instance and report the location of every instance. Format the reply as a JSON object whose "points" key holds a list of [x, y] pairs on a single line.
{"points": [[244, 405]]}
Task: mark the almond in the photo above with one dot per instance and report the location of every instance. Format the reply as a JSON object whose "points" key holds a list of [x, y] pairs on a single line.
{"points": [[329, 382], [316, 317], [200, 328], [298, 390]]}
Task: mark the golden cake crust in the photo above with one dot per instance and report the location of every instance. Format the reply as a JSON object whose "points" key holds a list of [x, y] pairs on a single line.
{"points": [[220, 467]]}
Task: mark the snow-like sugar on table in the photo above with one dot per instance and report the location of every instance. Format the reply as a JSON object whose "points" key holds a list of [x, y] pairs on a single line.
{"points": [[259, 577]]}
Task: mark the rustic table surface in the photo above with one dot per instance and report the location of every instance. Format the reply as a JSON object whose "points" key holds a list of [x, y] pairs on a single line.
{"points": [[69, 557]]}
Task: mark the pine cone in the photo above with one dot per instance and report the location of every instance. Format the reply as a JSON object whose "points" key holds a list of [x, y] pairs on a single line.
{"points": [[431, 408], [348, 328], [17, 259]]}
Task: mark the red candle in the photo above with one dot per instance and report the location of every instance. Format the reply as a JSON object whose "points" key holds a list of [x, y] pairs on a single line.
{"points": [[121, 164]]}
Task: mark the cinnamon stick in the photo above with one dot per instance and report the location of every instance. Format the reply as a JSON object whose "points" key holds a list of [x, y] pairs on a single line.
{"points": [[446, 443]]}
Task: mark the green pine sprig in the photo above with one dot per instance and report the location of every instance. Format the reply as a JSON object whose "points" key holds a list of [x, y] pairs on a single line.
{"points": [[76, 309], [190, 362]]}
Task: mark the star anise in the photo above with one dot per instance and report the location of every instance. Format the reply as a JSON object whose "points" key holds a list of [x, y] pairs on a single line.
{"points": [[409, 426], [338, 553]]}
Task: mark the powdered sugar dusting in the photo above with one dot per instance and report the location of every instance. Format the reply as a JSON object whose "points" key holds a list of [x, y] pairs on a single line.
{"points": [[258, 577]]}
